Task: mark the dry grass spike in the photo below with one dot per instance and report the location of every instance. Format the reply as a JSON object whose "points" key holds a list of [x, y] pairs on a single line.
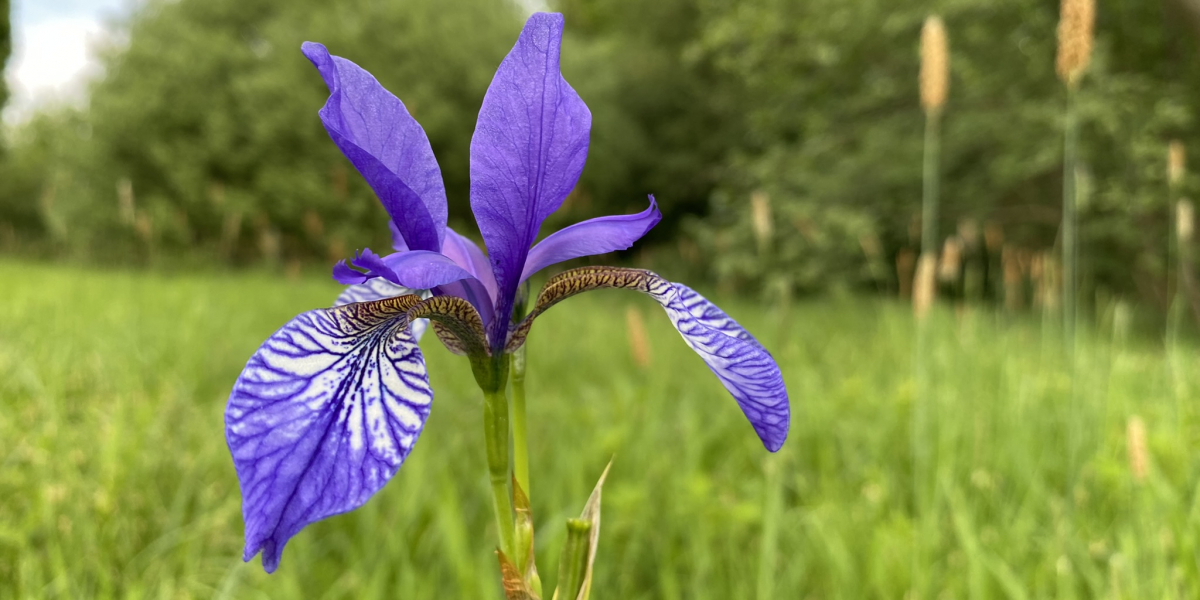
{"points": [[761, 221], [1176, 162], [639, 342], [1076, 26], [1135, 442], [924, 286], [935, 65], [1185, 220]]}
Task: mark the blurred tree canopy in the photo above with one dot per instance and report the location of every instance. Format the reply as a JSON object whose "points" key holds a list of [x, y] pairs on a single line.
{"points": [[202, 138], [5, 45]]}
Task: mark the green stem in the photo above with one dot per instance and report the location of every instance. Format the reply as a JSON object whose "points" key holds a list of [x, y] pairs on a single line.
{"points": [[520, 445], [1069, 223], [929, 198], [768, 551], [496, 442], [572, 567]]}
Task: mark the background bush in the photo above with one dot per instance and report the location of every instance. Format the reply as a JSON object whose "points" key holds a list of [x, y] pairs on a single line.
{"points": [[201, 142]]}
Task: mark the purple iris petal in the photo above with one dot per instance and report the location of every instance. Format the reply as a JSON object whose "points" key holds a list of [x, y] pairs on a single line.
{"points": [[591, 237], [467, 255], [321, 418], [398, 243], [415, 269], [528, 150], [734, 356], [386, 145]]}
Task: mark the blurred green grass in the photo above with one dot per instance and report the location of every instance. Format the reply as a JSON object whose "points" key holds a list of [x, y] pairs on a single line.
{"points": [[115, 480]]}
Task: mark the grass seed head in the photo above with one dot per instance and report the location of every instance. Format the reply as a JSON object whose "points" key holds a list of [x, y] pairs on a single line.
{"points": [[935, 65], [1176, 162], [1076, 25], [1185, 220], [924, 287], [1135, 442], [760, 213], [950, 264], [639, 343]]}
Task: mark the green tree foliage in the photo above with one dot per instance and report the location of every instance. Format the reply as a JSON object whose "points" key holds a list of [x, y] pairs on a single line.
{"points": [[202, 137], [5, 45], [203, 134], [833, 132]]}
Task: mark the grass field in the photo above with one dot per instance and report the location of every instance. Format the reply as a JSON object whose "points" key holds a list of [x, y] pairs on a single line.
{"points": [[115, 480]]}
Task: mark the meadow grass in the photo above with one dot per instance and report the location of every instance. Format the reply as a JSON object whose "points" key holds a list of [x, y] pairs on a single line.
{"points": [[115, 481]]}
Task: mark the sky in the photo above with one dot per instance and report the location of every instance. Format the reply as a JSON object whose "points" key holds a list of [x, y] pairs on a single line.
{"points": [[52, 50]]}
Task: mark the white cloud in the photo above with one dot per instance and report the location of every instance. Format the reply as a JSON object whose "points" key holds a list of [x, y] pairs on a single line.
{"points": [[53, 52]]}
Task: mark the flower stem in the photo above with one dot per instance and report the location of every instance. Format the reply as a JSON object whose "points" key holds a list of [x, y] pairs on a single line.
{"points": [[1069, 223], [496, 439], [929, 200], [520, 446]]}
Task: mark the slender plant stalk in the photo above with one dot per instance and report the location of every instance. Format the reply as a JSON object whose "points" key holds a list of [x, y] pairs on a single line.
{"points": [[923, 292], [934, 86], [1069, 223], [929, 198], [495, 428], [519, 427], [770, 534]]}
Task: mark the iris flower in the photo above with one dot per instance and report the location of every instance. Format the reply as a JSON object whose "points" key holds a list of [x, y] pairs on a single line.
{"points": [[329, 407]]}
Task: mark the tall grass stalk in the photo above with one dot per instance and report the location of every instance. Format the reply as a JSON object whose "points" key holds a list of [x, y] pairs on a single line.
{"points": [[1176, 169], [935, 82], [934, 86], [924, 288], [769, 549], [1075, 36]]}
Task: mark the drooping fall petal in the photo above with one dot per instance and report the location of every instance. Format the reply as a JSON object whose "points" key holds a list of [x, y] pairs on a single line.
{"points": [[321, 418], [529, 147], [742, 365], [374, 130]]}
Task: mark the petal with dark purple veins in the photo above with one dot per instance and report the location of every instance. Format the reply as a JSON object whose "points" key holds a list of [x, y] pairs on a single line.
{"points": [[594, 236], [379, 288], [742, 365], [323, 415], [374, 130], [473, 291], [528, 150]]}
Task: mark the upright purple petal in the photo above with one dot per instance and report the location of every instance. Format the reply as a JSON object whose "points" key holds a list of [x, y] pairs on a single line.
{"points": [[386, 145], [467, 255], [528, 150], [398, 243], [322, 417], [594, 236]]}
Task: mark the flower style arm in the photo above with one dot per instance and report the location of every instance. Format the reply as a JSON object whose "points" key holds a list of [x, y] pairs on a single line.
{"points": [[589, 238], [742, 365]]}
